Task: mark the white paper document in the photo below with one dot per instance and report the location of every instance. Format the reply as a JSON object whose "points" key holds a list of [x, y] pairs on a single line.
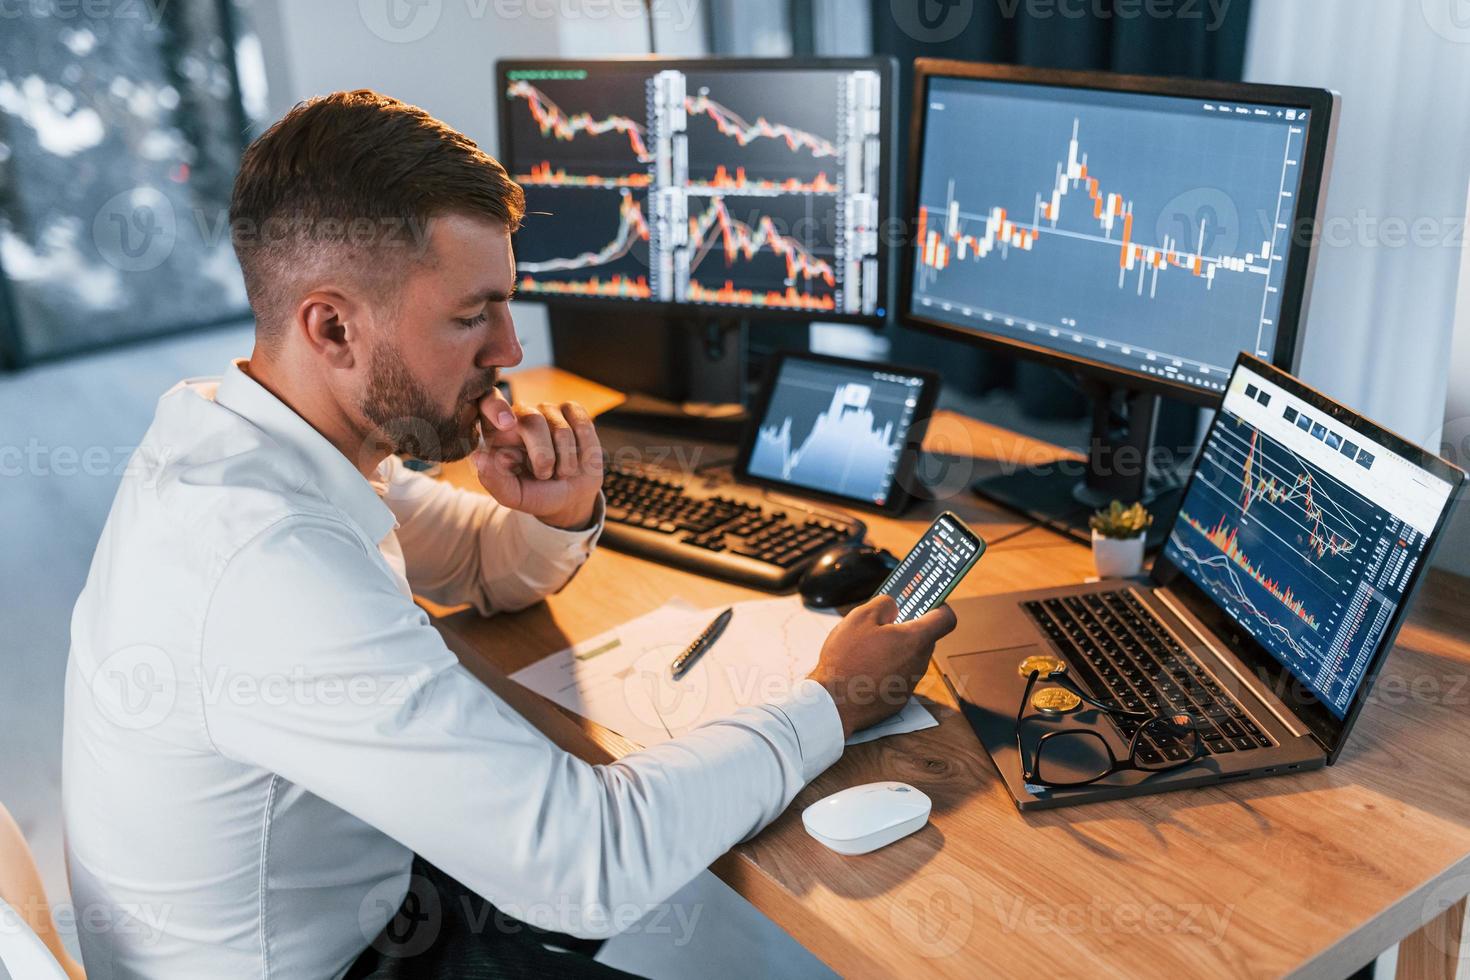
{"points": [[621, 680]]}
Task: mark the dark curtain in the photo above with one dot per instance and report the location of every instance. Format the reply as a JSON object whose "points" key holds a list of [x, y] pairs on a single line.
{"points": [[1194, 38]]}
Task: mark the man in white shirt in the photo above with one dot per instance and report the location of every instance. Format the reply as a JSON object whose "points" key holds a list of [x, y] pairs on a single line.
{"points": [[262, 728]]}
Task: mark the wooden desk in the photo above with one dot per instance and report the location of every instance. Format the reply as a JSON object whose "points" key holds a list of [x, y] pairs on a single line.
{"points": [[1311, 874]]}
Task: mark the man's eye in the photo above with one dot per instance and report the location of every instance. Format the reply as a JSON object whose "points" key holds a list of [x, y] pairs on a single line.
{"points": [[474, 321]]}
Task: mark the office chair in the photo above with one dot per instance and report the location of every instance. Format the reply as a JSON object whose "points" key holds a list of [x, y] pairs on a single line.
{"points": [[33, 949]]}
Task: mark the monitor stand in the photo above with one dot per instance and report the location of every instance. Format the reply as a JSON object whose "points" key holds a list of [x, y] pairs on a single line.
{"points": [[683, 375], [1121, 465]]}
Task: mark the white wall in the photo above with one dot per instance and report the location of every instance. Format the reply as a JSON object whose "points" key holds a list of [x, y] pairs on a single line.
{"points": [[440, 55], [1454, 553], [1385, 333], [1378, 331]]}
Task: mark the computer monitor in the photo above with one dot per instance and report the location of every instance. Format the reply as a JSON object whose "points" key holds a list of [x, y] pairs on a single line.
{"points": [[727, 187], [1138, 231], [1305, 527]]}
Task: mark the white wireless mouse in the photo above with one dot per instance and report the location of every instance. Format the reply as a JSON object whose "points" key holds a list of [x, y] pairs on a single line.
{"points": [[864, 818]]}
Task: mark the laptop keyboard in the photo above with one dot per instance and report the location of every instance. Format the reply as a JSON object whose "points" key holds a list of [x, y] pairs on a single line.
{"points": [[1120, 651]]}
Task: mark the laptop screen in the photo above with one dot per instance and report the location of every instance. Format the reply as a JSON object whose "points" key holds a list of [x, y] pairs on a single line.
{"points": [[1305, 530]]}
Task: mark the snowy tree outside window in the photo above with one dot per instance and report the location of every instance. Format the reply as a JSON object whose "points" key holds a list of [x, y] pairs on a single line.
{"points": [[121, 125]]}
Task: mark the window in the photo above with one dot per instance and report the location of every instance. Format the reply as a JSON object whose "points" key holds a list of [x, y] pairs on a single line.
{"points": [[121, 125]]}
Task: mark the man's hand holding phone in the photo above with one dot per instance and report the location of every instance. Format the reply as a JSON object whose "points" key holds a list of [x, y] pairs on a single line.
{"points": [[870, 664], [880, 651]]}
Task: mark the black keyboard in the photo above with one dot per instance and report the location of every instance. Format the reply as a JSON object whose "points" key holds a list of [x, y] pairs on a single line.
{"points": [[1120, 651], [653, 514]]}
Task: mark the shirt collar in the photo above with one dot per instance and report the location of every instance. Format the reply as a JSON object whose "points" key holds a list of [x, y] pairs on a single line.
{"points": [[336, 477]]}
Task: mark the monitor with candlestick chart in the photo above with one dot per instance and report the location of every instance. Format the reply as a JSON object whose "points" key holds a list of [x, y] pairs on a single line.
{"points": [[1150, 233], [1138, 232], [753, 186]]}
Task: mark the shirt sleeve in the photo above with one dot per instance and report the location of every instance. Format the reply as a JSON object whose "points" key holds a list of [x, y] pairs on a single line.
{"points": [[464, 547], [375, 715]]}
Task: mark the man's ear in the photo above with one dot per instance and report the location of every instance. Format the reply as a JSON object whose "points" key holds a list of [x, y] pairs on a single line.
{"points": [[331, 324]]}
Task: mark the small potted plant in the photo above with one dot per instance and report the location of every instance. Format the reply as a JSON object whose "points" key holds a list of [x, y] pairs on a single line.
{"points": [[1118, 534]]}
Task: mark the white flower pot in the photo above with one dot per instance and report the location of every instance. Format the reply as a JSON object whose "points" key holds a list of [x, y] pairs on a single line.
{"points": [[1117, 557]]}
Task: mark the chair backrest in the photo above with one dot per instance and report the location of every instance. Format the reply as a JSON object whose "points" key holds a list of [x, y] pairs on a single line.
{"points": [[22, 954], [29, 945]]}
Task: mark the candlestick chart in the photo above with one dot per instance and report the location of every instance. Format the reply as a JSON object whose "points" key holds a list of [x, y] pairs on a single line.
{"points": [[1146, 239], [1305, 562]]}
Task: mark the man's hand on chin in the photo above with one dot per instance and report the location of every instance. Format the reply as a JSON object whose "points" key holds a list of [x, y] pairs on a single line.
{"points": [[545, 461]]}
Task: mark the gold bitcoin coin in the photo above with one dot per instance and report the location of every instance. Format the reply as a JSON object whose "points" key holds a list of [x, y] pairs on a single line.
{"points": [[1043, 664], [1055, 700]]}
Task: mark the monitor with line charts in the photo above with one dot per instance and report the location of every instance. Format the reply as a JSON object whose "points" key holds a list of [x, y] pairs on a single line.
{"points": [[1307, 526], [755, 186], [1143, 230]]}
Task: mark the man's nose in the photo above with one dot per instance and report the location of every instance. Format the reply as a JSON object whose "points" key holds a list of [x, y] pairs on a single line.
{"points": [[504, 350]]}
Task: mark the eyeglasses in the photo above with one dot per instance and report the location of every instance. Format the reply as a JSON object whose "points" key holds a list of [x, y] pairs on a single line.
{"points": [[1080, 756]]}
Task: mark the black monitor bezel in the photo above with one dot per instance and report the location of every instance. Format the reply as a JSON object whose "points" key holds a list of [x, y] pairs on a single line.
{"points": [[887, 68], [1296, 285], [1329, 730], [899, 488]]}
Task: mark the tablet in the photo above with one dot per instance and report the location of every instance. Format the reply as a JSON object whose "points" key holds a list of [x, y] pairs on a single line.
{"points": [[838, 429]]}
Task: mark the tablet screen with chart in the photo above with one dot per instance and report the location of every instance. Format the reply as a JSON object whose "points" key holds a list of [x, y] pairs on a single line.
{"points": [[842, 429], [929, 573]]}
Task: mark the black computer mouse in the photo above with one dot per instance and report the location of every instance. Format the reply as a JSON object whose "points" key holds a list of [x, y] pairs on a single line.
{"points": [[844, 574]]}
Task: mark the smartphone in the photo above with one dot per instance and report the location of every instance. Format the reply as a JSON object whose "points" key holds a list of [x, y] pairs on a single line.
{"points": [[929, 573]]}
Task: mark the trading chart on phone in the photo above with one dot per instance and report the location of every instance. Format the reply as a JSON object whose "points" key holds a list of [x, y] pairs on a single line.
{"points": [[928, 571], [1305, 532], [718, 187], [1144, 231]]}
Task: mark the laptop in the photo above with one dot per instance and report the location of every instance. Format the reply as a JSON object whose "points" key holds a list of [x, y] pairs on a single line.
{"points": [[1251, 647]]}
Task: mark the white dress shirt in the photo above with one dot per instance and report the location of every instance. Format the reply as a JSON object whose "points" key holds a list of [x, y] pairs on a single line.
{"points": [[261, 726]]}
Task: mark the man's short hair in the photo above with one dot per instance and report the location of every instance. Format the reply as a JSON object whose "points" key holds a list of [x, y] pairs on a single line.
{"points": [[348, 183]]}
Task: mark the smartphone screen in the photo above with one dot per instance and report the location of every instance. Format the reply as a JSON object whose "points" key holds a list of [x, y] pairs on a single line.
{"points": [[929, 573]]}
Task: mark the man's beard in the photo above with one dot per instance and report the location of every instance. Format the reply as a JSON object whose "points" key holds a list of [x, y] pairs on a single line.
{"points": [[406, 417]]}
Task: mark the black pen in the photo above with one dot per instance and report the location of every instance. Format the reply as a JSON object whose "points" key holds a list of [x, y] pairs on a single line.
{"points": [[701, 643]]}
